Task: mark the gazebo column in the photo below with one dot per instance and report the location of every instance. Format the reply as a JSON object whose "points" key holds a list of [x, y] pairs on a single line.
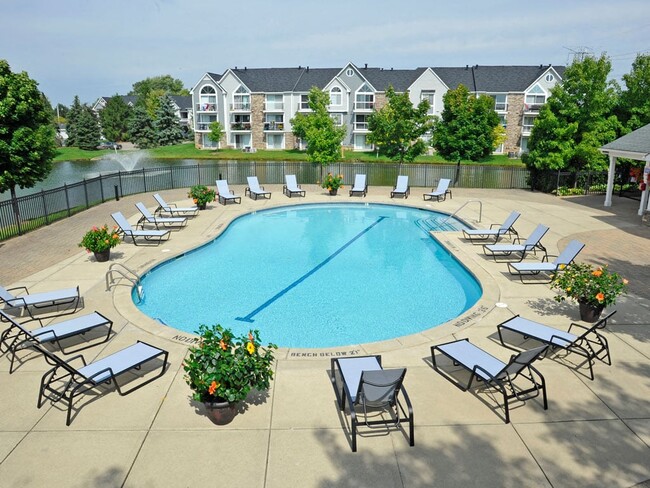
{"points": [[644, 195], [610, 181]]}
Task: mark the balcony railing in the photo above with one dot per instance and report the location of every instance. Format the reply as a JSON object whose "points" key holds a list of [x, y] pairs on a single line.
{"points": [[273, 125], [240, 126], [241, 106], [500, 107], [203, 126], [361, 126], [364, 105], [526, 129], [274, 106], [532, 108], [206, 107]]}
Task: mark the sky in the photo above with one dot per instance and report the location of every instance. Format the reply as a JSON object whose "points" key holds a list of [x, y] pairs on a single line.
{"points": [[93, 48]]}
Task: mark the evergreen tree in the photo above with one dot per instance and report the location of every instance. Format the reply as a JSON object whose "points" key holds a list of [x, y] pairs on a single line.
{"points": [[576, 120], [318, 130], [115, 119], [88, 131], [166, 125], [141, 131], [397, 128], [26, 133], [73, 119], [467, 127]]}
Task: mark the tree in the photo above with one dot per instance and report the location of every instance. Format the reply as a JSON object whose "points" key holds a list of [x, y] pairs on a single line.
{"points": [[73, 119], [166, 125], [396, 129], [317, 129], [216, 130], [576, 120], [168, 85], [26, 133], [88, 132], [141, 130], [115, 119], [634, 106], [467, 127]]}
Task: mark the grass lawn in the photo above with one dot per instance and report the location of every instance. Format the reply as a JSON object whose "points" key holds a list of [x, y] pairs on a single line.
{"points": [[188, 151]]}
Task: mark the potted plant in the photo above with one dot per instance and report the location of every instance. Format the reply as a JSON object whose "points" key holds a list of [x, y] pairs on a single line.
{"points": [[332, 183], [592, 287], [202, 195], [224, 368], [100, 241]]}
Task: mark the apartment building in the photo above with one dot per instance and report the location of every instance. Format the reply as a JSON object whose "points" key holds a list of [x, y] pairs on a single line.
{"points": [[255, 105]]}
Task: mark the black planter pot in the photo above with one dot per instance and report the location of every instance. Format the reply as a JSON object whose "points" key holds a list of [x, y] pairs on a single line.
{"points": [[221, 413], [201, 206], [103, 256], [590, 312], [334, 192]]}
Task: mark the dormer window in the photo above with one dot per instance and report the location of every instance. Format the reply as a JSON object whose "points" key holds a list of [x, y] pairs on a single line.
{"points": [[336, 96], [207, 99]]}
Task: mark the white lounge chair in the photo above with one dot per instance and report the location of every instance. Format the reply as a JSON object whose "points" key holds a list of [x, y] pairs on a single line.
{"points": [[569, 253], [254, 190], [401, 187], [33, 302], [360, 185], [148, 218], [172, 208], [292, 187], [65, 382], [442, 191], [224, 193], [588, 342], [154, 236], [18, 336], [495, 230], [507, 250], [363, 384]]}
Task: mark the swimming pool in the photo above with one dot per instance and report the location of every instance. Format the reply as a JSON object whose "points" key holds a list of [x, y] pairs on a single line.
{"points": [[316, 276]]}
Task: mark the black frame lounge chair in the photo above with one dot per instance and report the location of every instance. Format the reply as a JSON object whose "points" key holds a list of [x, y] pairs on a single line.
{"points": [[517, 249], [362, 383], [535, 268], [360, 185], [18, 337], [32, 303], [292, 187], [496, 230], [152, 236], [490, 372], [589, 343], [101, 372], [172, 208], [401, 187], [255, 190], [441, 191], [224, 194], [149, 218]]}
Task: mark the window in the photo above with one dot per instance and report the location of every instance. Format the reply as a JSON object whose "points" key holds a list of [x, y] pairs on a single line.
{"points": [[361, 122], [336, 97], [240, 122], [241, 99], [304, 102], [502, 120], [500, 102], [274, 122], [206, 142], [429, 96], [275, 141], [337, 118], [360, 143], [203, 121], [535, 98], [349, 72], [207, 99], [274, 103], [549, 77], [240, 141], [365, 98], [528, 123]]}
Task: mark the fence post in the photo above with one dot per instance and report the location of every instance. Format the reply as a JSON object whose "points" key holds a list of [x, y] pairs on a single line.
{"points": [[67, 198], [144, 180], [47, 221], [101, 186], [86, 193], [198, 173], [119, 177], [171, 176]]}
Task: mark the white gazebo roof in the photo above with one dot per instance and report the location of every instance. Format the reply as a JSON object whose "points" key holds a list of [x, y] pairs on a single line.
{"points": [[635, 145]]}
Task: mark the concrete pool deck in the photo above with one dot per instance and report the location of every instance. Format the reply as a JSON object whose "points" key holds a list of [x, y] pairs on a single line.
{"points": [[595, 433]]}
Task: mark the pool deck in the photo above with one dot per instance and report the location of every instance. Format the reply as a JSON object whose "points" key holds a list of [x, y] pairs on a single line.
{"points": [[594, 433]]}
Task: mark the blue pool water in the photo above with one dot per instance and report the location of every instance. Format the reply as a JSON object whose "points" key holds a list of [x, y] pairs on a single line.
{"points": [[316, 276]]}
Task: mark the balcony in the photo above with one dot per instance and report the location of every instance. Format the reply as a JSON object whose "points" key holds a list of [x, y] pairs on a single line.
{"points": [[240, 106], [532, 108], [274, 107], [358, 106], [202, 126], [242, 126], [361, 126], [526, 129], [206, 107], [500, 107], [273, 126]]}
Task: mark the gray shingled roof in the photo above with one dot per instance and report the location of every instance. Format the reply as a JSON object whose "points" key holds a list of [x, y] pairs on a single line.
{"points": [[493, 79], [452, 77], [182, 101], [637, 141], [268, 80], [318, 77], [400, 79]]}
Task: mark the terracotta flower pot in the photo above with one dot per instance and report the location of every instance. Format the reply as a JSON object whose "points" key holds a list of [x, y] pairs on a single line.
{"points": [[590, 312]]}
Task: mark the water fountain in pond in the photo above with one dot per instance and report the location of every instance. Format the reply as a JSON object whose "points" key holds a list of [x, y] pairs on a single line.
{"points": [[128, 160]]}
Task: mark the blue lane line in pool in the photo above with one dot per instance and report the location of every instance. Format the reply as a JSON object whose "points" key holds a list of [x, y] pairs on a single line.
{"points": [[248, 318]]}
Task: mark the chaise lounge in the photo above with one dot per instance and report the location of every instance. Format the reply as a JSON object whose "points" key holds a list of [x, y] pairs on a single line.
{"points": [[153, 236], [292, 187], [224, 193], [172, 208], [496, 230], [364, 385], [148, 218], [254, 190], [518, 249], [490, 372], [360, 186], [569, 253], [33, 302], [401, 187], [589, 343], [440, 192]]}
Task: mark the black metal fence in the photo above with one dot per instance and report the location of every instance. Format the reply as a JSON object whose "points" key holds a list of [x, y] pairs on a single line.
{"points": [[32, 211]]}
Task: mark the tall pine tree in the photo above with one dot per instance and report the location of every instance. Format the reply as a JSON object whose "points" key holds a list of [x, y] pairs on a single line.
{"points": [[88, 132], [166, 125], [73, 120], [141, 127], [115, 119]]}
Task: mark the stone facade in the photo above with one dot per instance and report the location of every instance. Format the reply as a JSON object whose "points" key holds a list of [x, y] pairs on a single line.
{"points": [[514, 119], [258, 141], [289, 140], [380, 100]]}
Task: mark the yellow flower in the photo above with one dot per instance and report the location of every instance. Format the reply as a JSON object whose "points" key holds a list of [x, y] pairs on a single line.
{"points": [[625, 282], [562, 266], [568, 289], [250, 348]]}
